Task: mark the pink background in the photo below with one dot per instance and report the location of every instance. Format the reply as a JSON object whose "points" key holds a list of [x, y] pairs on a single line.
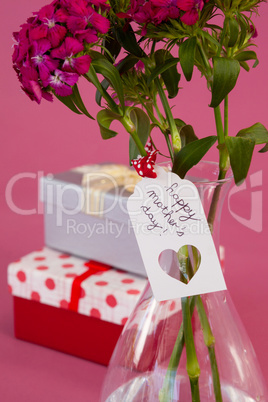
{"points": [[49, 138]]}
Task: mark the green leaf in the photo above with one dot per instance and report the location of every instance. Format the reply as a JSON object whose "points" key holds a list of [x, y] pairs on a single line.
{"points": [[95, 55], [98, 97], [172, 61], [78, 101], [247, 55], [225, 74], [243, 32], [187, 55], [240, 151], [168, 64], [234, 31], [127, 39], [67, 101], [142, 125], [210, 39], [244, 65], [111, 44], [105, 118], [187, 135], [264, 149], [257, 132], [179, 123], [191, 154], [109, 72], [92, 77], [126, 64]]}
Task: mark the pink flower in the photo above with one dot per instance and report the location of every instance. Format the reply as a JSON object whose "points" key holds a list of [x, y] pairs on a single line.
{"points": [[31, 86], [21, 45], [85, 17], [99, 22], [67, 51], [253, 31], [87, 35], [43, 62], [48, 50], [191, 8], [154, 11], [139, 66], [49, 25], [62, 82], [142, 12]]}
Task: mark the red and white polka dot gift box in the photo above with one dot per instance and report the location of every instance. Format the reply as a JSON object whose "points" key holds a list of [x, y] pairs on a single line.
{"points": [[70, 304]]}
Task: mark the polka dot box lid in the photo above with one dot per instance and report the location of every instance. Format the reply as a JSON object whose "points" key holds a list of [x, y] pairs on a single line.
{"points": [[47, 276]]}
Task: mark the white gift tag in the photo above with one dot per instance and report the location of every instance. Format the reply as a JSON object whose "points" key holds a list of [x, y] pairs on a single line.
{"points": [[166, 214]]}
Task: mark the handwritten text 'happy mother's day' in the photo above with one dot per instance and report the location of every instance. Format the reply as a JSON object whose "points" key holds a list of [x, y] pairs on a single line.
{"points": [[179, 213]]}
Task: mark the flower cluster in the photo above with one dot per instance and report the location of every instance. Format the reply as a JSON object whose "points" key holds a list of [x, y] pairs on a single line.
{"points": [[158, 11], [50, 49]]}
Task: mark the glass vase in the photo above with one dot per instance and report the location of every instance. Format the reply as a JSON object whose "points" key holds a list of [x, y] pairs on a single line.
{"points": [[189, 349]]}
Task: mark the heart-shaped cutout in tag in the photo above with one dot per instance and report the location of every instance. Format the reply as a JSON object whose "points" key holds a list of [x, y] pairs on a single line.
{"points": [[181, 265]]}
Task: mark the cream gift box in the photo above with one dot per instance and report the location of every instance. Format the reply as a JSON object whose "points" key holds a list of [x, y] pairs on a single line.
{"points": [[70, 304], [85, 214]]}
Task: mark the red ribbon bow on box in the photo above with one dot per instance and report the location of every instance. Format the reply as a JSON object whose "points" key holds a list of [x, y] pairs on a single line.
{"points": [[93, 268]]}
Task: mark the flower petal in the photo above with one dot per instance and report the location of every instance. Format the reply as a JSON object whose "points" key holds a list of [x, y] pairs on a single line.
{"points": [[68, 78], [185, 5], [99, 22], [44, 72], [47, 96], [190, 17], [62, 90], [43, 45], [81, 64], [88, 35], [61, 15], [73, 46], [76, 24], [38, 32], [56, 34], [46, 12]]}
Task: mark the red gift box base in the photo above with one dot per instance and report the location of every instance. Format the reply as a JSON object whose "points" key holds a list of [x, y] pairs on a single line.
{"points": [[66, 331]]}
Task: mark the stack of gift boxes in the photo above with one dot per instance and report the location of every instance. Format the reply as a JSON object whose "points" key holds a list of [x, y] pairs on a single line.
{"points": [[76, 293]]}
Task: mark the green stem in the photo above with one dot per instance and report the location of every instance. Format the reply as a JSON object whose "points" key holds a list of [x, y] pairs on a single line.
{"points": [[159, 114], [167, 390], [219, 126], [215, 374], [170, 150], [153, 47], [210, 342], [130, 128], [214, 202], [192, 365], [224, 162], [223, 34], [226, 117], [208, 73], [162, 121], [148, 110], [139, 144], [175, 136]]}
